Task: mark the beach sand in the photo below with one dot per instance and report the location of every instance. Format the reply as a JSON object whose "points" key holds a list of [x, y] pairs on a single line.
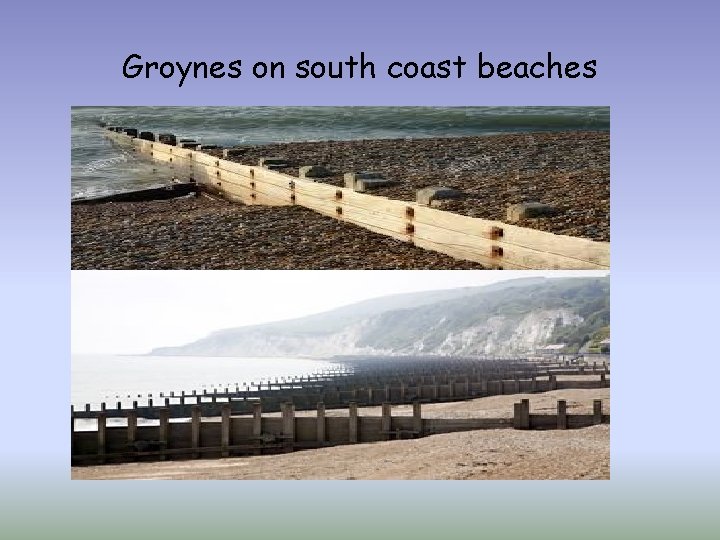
{"points": [[473, 455]]}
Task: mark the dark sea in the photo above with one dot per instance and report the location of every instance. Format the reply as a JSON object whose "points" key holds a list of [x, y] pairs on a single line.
{"points": [[101, 168]]}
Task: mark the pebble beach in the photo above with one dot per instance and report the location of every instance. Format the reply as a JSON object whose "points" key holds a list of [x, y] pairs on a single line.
{"points": [[207, 233], [567, 170]]}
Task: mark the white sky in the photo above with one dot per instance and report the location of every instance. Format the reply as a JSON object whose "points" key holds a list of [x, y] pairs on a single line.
{"points": [[125, 312]]}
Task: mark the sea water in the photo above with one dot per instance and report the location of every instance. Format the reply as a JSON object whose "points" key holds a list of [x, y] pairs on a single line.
{"points": [[100, 167], [112, 378]]}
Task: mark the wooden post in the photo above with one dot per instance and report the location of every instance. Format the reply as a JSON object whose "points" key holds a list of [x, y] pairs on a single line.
{"points": [[417, 419], [321, 422], [521, 414], [370, 395], [402, 391], [561, 414], [386, 421], [517, 415], [225, 430], [288, 422], [131, 429], [101, 435], [72, 431], [353, 422], [603, 381], [163, 430], [553, 382], [195, 428], [452, 388], [597, 411]]}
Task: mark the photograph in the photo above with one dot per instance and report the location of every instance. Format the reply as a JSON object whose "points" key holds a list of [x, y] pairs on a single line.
{"points": [[174, 188], [340, 375]]}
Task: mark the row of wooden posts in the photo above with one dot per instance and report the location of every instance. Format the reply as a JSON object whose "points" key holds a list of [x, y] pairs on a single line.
{"points": [[304, 397], [258, 434], [376, 376]]}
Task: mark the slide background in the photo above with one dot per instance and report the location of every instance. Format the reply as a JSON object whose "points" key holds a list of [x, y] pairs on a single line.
{"points": [[658, 72]]}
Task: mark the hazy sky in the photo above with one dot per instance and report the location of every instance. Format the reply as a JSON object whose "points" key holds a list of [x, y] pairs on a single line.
{"points": [[132, 312]]}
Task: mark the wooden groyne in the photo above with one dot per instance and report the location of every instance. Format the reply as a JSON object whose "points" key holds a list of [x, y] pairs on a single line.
{"points": [[491, 243], [368, 382], [234, 436]]}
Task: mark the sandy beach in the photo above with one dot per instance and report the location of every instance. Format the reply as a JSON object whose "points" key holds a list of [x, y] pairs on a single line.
{"points": [[474, 455]]}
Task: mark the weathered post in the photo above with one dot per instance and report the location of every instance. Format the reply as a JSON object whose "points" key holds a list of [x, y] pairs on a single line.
{"points": [[417, 419], [321, 422], [603, 381], [353, 422], [163, 431], [288, 422], [561, 414], [597, 411], [101, 435], [521, 414], [257, 419], [72, 431], [552, 382], [225, 430], [386, 421], [132, 418]]}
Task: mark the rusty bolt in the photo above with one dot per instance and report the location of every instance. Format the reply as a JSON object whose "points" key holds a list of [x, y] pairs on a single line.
{"points": [[497, 251], [496, 232], [409, 228]]}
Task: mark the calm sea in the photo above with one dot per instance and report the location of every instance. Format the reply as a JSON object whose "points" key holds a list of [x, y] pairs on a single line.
{"points": [[99, 167], [109, 379]]}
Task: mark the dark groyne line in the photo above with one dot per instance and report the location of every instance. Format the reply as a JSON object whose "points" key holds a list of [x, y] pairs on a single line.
{"points": [[233, 436], [398, 384], [171, 191]]}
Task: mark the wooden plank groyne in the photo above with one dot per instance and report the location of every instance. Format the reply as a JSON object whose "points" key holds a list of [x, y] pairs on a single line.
{"points": [[237, 436], [369, 382], [488, 242]]}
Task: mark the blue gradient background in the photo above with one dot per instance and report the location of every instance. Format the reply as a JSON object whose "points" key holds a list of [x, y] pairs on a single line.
{"points": [[657, 70]]}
